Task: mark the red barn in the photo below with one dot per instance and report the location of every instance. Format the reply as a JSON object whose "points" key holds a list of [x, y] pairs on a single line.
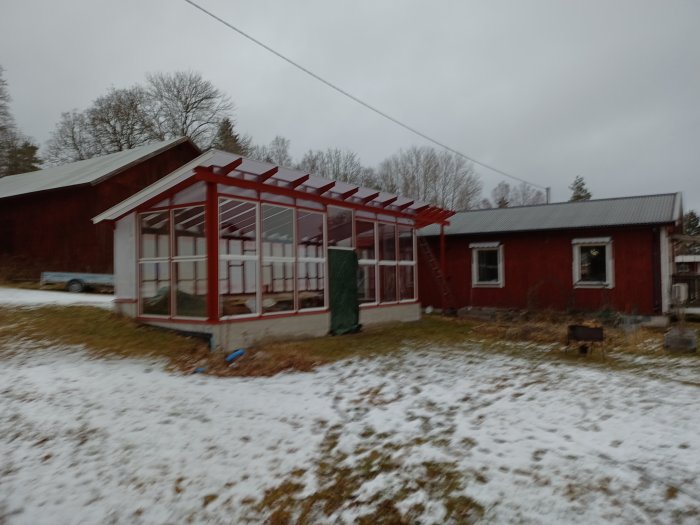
{"points": [[45, 216], [589, 255]]}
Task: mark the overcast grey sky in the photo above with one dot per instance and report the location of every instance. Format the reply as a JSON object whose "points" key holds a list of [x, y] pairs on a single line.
{"points": [[545, 90]]}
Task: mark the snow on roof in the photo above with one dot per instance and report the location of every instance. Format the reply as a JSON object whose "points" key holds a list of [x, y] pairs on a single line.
{"points": [[89, 171], [621, 211]]}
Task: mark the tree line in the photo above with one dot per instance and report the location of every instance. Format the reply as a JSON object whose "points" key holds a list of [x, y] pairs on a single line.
{"points": [[183, 103]]}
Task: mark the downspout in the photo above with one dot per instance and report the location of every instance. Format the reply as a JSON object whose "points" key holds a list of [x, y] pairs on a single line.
{"points": [[665, 255]]}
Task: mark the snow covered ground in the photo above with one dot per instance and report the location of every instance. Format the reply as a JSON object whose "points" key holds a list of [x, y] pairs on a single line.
{"points": [[28, 298], [531, 440]]}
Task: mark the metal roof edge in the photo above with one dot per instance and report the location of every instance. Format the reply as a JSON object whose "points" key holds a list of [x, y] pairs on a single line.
{"points": [[558, 228], [166, 146], [667, 194], [161, 185]]}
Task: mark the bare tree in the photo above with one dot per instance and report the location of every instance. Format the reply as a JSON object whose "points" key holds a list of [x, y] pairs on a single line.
{"points": [[277, 152], [335, 164], [169, 106], [183, 104], [526, 195], [118, 121], [71, 140], [459, 187], [114, 122], [422, 173], [501, 195]]}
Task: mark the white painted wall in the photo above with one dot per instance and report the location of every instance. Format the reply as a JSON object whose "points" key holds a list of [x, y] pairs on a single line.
{"points": [[125, 258]]}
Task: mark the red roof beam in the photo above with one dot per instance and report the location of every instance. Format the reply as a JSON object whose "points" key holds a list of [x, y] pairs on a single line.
{"points": [[323, 189], [299, 181], [262, 177], [370, 197], [347, 194], [406, 205], [387, 202], [228, 168]]}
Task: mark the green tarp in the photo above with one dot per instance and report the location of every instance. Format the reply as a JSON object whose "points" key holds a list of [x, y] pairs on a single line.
{"points": [[345, 309]]}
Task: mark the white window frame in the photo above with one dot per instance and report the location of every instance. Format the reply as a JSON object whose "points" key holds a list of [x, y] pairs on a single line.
{"points": [[477, 247], [238, 258], [319, 260], [576, 245], [370, 263]]}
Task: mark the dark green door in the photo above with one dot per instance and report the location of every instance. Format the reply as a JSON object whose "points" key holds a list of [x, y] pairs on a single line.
{"points": [[345, 309]]}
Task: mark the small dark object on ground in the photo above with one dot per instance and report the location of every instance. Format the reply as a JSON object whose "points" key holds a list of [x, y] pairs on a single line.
{"points": [[585, 336]]}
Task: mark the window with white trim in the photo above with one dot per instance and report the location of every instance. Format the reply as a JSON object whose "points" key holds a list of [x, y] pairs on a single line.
{"points": [[487, 265], [593, 262]]}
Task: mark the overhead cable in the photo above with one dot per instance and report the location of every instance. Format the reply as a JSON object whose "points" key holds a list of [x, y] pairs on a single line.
{"points": [[358, 100]]}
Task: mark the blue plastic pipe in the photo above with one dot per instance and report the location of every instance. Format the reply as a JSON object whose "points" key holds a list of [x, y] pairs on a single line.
{"points": [[235, 355]]}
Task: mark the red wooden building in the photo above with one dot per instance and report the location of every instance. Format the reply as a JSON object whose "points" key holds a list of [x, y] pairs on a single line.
{"points": [[45, 216], [590, 255]]}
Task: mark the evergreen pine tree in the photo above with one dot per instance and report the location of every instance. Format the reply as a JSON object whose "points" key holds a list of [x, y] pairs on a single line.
{"points": [[226, 139], [579, 192]]}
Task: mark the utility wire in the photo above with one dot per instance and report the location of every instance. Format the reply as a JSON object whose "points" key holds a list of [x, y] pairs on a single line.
{"points": [[358, 100]]}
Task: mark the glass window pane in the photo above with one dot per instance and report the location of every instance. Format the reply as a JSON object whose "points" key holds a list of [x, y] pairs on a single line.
{"points": [[237, 230], [387, 278], [155, 288], [277, 286], [278, 231], [387, 242], [406, 243], [237, 287], [189, 231], [155, 234], [365, 239], [367, 283], [309, 234], [311, 284], [488, 266], [407, 287], [195, 193], [191, 286], [339, 227], [593, 263]]}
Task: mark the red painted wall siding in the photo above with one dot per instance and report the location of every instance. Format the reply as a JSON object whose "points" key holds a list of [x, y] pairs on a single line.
{"points": [[538, 272], [53, 230]]}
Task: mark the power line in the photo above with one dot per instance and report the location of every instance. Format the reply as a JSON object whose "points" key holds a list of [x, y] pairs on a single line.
{"points": [[358, 100]]}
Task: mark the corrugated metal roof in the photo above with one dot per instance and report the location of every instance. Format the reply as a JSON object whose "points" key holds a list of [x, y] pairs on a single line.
{"points": [[623, 211], [90, 171]]}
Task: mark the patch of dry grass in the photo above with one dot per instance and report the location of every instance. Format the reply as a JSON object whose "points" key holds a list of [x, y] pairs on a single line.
{"points": [[106, 333], [339, 484], [99, 330]]}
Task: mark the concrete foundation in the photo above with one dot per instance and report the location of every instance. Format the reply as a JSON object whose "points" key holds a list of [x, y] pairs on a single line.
{"points": [[228, 336]]}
